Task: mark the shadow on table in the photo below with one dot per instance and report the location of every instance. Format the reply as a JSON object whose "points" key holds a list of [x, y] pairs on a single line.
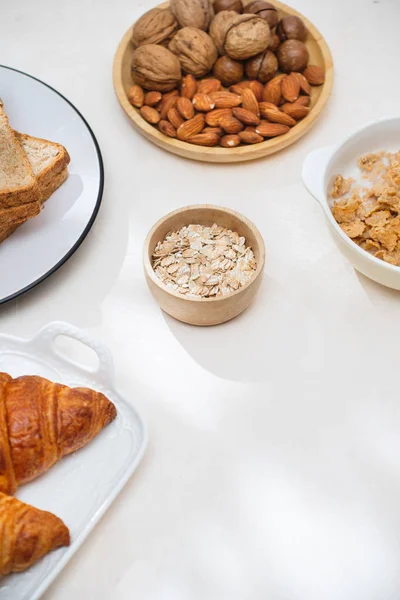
{"points": [[85, 279], [255, 344], [377, 292]]}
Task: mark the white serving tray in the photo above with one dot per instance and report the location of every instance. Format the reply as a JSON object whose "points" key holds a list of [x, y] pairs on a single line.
{"points": [[81, 487]]}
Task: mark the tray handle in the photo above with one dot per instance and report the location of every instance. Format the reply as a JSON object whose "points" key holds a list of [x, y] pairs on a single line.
{"points": [[49, 333], [313, 172]]}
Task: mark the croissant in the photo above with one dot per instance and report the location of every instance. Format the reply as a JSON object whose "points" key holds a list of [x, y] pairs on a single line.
{"points": [[41, 421], [27, 534]]}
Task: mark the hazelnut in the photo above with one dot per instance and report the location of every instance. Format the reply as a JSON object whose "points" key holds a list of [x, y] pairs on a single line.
{"points": [[155, 68], [264, 10], [292, 56], [291, 28], [262, 67], [239, 36], [155, 27], [274, 43], [195, 50], [192, 13], [235, 5], [228, 71]]}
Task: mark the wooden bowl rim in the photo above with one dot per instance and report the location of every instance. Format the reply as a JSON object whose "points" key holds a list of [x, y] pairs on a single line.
{"points": [[179, 211], [216, 154]]}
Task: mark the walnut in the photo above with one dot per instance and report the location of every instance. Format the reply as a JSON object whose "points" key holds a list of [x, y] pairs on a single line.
{"points": [[154, 27], [192, 13], [219, 26], [155, 68], [240, 36], [195, 49]]}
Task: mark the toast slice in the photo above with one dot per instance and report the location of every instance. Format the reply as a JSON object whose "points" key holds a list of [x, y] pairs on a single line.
{"points": [[18, 184], [48, 160], [49, 164], [11, 218]]}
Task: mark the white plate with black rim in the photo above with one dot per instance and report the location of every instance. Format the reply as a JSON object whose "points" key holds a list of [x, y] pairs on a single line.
{"points": [[41, 245]]}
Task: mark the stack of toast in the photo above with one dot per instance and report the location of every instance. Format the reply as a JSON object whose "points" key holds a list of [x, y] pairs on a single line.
{"points": [[31, 169]]}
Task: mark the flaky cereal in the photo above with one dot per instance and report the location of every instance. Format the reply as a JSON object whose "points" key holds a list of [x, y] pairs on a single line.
{"points": [[370, 214]]}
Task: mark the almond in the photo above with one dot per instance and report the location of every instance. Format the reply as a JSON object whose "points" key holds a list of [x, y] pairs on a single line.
{"points": [[304, 85], [207, 86], [264, 106], [252, 129], [278, 78], [295, 110], [166, 128], [213, 117], [277, 116], [190, 128], [218, 130], [290, 88], [272, 91], [188, 86], [166, 104], [250, 137], [151, 115], [230, 124], [174, 117], [185, 108], [314, 75], [170, 94], [136, 96], [225, 99], [152, 98], [204, 139], [230, 141], [202, 102], [303, 100], [249, 101], [237, 88], [269, 130], [245, 116], [257, 88]]}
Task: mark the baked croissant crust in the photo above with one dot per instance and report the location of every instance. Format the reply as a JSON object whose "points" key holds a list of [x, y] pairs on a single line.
{"points": [[27, 534], [41, 421]]}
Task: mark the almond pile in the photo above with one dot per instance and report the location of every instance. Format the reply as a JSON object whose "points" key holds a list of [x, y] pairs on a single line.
{"points": [[204, 113]]}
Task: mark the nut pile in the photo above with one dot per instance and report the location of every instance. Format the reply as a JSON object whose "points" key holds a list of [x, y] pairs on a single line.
{"points": [[370, 213], [204, 261], [221, 74]]}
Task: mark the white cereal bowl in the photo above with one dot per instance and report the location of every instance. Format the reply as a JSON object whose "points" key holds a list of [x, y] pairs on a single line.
{"points": [[319, 169]]}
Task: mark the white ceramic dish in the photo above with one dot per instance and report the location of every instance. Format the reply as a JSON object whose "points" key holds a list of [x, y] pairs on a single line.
{"points": [[322, 165], [81, 487], [43, 244]]}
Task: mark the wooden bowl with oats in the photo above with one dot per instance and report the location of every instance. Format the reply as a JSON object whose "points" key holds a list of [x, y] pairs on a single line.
{"points": [[320, 56], [222, 271]]}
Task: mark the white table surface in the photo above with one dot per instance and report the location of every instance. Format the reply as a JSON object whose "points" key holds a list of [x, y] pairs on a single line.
{"points": [[273, 470]]}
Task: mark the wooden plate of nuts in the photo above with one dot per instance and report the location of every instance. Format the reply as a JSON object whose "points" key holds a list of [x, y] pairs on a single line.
{"points": [[204, 264], [223, 81]]}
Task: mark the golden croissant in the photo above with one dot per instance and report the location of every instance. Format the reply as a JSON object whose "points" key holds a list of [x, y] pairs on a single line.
{"points": [[41, 421], [27, 534]]}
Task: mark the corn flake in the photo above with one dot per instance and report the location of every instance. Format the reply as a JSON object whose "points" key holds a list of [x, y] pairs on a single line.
{"points": [[371, 215]]}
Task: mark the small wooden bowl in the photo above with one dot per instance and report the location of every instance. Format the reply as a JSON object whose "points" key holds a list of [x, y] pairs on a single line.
{"points": [[319, 55], [204, 311]]}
